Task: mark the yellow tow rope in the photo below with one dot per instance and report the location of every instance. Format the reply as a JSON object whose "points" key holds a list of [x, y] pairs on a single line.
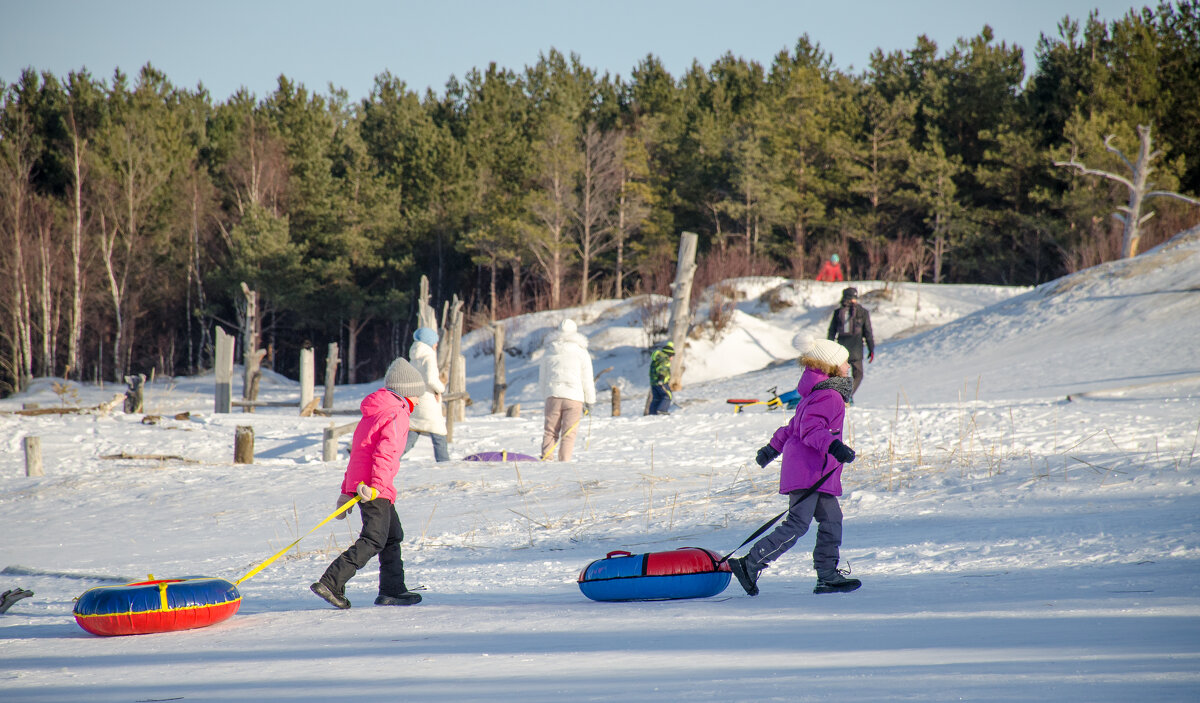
{"points": [[345, 506]]}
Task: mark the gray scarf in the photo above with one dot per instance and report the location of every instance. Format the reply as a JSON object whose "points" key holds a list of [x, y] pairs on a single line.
{"points": [[843, 385]]}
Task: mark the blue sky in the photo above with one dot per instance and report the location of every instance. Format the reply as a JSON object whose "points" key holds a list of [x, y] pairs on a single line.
{"points": [[227, 45]]}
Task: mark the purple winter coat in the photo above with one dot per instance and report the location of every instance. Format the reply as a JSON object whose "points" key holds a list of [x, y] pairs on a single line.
{"points": [[805, 440]]}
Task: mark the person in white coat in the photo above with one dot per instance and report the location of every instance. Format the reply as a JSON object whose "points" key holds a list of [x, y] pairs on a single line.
{"points": [[566, 382], [428, 419]]}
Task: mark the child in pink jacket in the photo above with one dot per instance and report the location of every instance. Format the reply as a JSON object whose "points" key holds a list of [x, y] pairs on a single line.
{"points": [[813, 455], [375, 455]]}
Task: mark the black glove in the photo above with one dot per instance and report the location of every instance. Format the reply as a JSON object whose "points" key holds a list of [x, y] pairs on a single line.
{"points": [[766, 455], [841, 452]]}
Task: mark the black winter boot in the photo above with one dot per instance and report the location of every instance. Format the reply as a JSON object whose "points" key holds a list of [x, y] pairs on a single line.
{"points": [[746, 573], [836, 582], [337, 600]]}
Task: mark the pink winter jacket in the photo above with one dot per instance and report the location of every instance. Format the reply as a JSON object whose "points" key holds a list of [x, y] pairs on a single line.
{"points": [[805, 440], [378, 443]]}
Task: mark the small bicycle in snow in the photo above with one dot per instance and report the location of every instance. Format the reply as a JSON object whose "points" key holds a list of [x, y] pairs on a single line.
{"points": [[788, 400]]}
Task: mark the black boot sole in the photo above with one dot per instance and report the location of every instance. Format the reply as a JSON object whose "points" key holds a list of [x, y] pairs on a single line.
{"points": [[850, 585], [407, 598]]}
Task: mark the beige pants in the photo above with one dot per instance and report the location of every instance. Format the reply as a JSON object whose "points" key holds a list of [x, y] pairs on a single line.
{"points": [[562, 419]]}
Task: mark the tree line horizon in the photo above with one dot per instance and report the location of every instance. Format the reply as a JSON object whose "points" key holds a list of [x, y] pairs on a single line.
{"points": [[132, 210]]}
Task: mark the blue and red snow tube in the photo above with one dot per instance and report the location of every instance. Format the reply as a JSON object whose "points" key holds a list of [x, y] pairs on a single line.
{"points": [[690, 572], [162, 605]]}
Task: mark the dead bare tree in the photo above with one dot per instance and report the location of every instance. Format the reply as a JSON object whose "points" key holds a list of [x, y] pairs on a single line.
{"points": [[600, 180], [257, 170], [82, 97], [135, 151], [46, 249], [552, 203], [1138, 185]]}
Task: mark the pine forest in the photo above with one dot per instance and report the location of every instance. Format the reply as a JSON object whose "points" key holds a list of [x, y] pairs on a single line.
{"points": [[132, 210]]}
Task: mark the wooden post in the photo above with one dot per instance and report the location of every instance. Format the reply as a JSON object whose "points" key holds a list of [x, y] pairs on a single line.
{"points": [[501, 380], [135, 396], [243, 445], [307, 378], [616, 402], [223, 372], [681, 294], [329, 444], [33, 456], [251, 355], [425, 315], [255, 378], [514, 410], [458, 368], [444, 350], [331, 364]]}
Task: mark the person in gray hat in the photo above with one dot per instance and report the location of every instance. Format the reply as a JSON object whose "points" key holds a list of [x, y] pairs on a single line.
{"points": [[851, 327], [375, 455]]}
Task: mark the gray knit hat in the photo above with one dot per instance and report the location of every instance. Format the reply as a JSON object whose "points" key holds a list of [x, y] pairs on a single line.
{"points": [[403, 379]]}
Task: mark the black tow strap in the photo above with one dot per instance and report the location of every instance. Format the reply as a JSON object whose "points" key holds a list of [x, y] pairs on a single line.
{"points": [[767, 525]]}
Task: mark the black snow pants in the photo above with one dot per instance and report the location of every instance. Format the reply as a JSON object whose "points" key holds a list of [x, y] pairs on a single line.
{"points": [[381, 535]]}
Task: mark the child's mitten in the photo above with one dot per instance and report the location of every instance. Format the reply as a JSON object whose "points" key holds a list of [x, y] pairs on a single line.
{"points": [[342, 500], [367, 493], [766, 455], [841, 452]]}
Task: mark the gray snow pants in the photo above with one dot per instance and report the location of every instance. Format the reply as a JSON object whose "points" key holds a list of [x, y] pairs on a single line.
{"points": [[828, 512]]}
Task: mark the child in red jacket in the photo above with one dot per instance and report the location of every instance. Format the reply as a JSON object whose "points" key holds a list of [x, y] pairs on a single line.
{"points": [[375, 455], [831, 270]]}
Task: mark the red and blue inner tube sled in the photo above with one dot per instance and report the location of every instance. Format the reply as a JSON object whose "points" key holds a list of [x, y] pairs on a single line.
{"points": [[162, 605], [690, 572]]}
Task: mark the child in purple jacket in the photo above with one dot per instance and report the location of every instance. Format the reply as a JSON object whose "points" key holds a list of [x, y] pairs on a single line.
{"points": [[813, 453]]}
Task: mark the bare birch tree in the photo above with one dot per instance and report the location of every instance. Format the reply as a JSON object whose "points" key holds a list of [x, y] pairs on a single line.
{"points": [[552, 204], [17, 155], [47, 251], [599, 188], [136, 147], [257, 169], [82, 99]]}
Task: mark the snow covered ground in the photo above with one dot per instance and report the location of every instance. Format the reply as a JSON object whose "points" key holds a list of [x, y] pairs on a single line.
{"points": [[1024, 515]]}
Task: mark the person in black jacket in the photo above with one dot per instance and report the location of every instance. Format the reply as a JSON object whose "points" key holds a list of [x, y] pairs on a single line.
{"points": [[851, 327]]}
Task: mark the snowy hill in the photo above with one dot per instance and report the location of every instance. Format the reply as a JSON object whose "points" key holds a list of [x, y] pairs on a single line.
{"points": [[1014, 545]]}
